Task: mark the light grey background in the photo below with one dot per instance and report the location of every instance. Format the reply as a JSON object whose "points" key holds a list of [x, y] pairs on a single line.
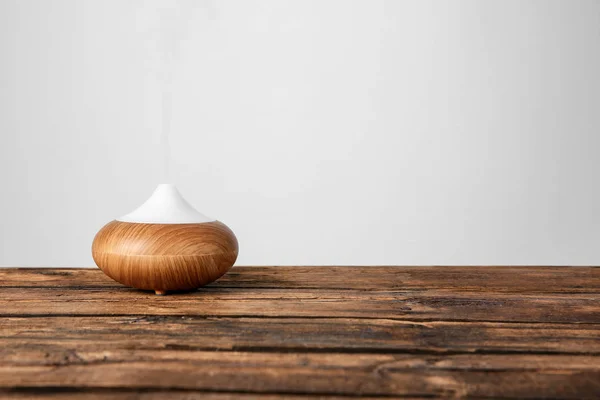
{"points": [[321, 132]]}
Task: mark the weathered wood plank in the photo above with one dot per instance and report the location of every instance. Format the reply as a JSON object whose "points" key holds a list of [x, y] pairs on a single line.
{"points": [[320, 374], [272, 332], [63, 354], [423, 305], [160, 394], [296, 334], [500, 279]]}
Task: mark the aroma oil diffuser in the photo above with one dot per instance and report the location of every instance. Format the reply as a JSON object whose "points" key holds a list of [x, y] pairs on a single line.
{"points": [[165, 245]]}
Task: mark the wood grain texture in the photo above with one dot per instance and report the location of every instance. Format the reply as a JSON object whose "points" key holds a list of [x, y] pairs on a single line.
{"points": [[313, 335], [410, 305], [165, 257], [305, 332], [455, 279]]}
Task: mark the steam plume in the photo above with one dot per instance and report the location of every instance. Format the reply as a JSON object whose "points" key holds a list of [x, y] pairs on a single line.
{"points": [[163, 25]]}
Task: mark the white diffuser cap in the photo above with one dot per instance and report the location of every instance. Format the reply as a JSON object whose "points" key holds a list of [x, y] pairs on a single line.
{"points": [[165, 206]]}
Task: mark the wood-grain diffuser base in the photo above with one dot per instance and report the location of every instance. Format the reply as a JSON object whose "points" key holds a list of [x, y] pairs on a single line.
{"points": [[162, 256]]}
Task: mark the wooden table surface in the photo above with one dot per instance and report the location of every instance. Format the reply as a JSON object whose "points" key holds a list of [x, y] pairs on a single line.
{"points": [[305, 332]]}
